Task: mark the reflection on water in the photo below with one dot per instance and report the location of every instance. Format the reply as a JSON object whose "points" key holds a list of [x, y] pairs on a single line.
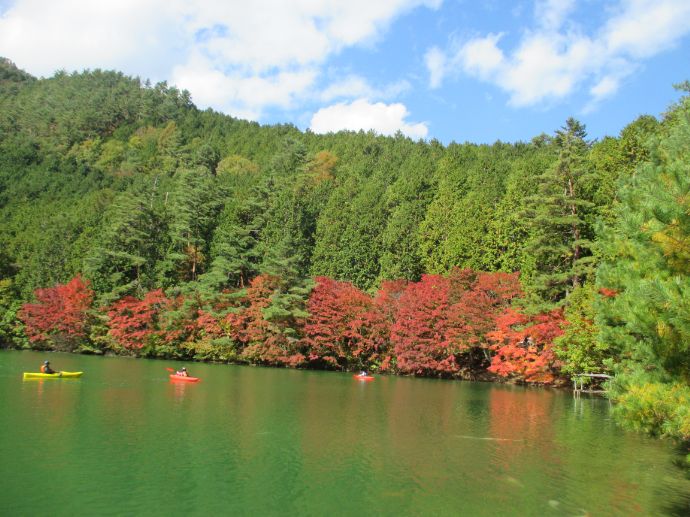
{"points": [[37, 385], [179, 389], [274, 442], [520, 426]]}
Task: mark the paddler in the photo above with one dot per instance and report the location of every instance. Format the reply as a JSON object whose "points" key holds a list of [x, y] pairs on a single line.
{"points": [[182, 372], [45, 367]]}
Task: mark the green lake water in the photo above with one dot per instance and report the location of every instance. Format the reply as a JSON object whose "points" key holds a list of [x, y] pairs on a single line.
{"points": [[125, 440]]}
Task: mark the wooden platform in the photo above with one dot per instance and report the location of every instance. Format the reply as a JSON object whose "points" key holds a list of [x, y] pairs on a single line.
{"points": [[579, 383]]}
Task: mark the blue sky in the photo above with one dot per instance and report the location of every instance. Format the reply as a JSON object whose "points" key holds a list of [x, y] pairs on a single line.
{"points": [[453, 70]]}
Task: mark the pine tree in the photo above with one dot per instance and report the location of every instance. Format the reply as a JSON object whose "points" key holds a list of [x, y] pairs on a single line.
{"points": [[560, 240], [235, 252], [287, 310], [123, 260], [191, 211], [293, 204], [645, 285]]}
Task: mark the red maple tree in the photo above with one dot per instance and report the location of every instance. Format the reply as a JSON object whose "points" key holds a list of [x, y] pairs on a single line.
{"points": [[338, 331], [420, 335], [247, 325], [133, 322], [524, 346], [479, 298], [379, 321], [60, 314], [208, 325]]}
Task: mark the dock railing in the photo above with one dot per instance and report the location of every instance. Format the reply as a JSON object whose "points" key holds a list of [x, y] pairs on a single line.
{"points": [[579, 382]]}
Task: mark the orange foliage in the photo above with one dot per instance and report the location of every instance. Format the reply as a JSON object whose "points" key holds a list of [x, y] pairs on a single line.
{"points": [[524, 346]]}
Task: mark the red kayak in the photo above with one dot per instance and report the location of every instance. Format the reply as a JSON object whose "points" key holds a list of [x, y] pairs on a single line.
{"points": [[182, 378], [364, 377]]}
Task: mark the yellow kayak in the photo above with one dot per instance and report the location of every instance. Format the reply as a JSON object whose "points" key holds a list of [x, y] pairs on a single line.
{"points": [[58, 375]]}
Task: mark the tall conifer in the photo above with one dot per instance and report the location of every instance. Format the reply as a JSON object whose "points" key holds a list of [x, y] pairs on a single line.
{"points": [[560, 240], [645, 283]]}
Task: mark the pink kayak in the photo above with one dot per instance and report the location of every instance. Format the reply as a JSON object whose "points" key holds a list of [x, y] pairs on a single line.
{"points": [[182, 378], [363, 377]]}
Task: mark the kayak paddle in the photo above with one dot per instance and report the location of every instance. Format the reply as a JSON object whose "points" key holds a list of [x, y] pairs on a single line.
{"points": [[171, 370]]}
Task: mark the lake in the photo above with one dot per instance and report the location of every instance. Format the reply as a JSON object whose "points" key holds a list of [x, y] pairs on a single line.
{"points": [[124, 439]]}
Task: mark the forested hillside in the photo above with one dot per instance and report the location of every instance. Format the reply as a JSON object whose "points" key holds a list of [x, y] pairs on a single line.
{"points": [[132, 222]]}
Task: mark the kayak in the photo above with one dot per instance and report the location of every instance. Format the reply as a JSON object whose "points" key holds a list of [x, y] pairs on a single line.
{"points": [[182, 378], [57, 375], [364, 377]]}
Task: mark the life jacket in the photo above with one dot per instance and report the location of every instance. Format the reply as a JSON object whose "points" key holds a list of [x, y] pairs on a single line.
{"points": [[44, 368]]}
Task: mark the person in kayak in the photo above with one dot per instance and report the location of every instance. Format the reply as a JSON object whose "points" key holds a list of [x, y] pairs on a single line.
{"points": [[182, 372], [363, 373], [45, 367]]}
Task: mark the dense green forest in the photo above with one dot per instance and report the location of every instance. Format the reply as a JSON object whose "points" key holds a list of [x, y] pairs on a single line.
{"points": [[133, 222]]}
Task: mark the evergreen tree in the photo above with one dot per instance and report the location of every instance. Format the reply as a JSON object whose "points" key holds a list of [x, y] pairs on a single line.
{"points": [[191, 210], [287, 310], [645, 284], [579, 348], [560, 241], [10, 304], [509, 230], [124, 257], [235, 248], [406, 203]]}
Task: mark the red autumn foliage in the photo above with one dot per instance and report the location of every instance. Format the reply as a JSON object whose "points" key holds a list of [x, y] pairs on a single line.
{"points": [[387, 298], [339, 330], [608, 293], [480, 299], [248, 325], [60, 312], [276, 350], [524, 346], [208, 324], [263, 341], [441, 320], [430, 327], [421, 336], [380, 319], [133, 321]]}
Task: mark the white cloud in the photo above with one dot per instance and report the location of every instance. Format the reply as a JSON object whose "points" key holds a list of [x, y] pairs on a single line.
{"points": [[551, 14], [75, 34], [556, 58], [354, 86], [605, 87], [242, 95], [385, 119], [258, 54], [435, 61], [392, 90], [544, 67], [646, 27], [481, 56]]}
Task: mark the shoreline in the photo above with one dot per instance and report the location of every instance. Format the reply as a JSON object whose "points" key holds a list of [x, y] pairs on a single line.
{"points": [[488, 377]]}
